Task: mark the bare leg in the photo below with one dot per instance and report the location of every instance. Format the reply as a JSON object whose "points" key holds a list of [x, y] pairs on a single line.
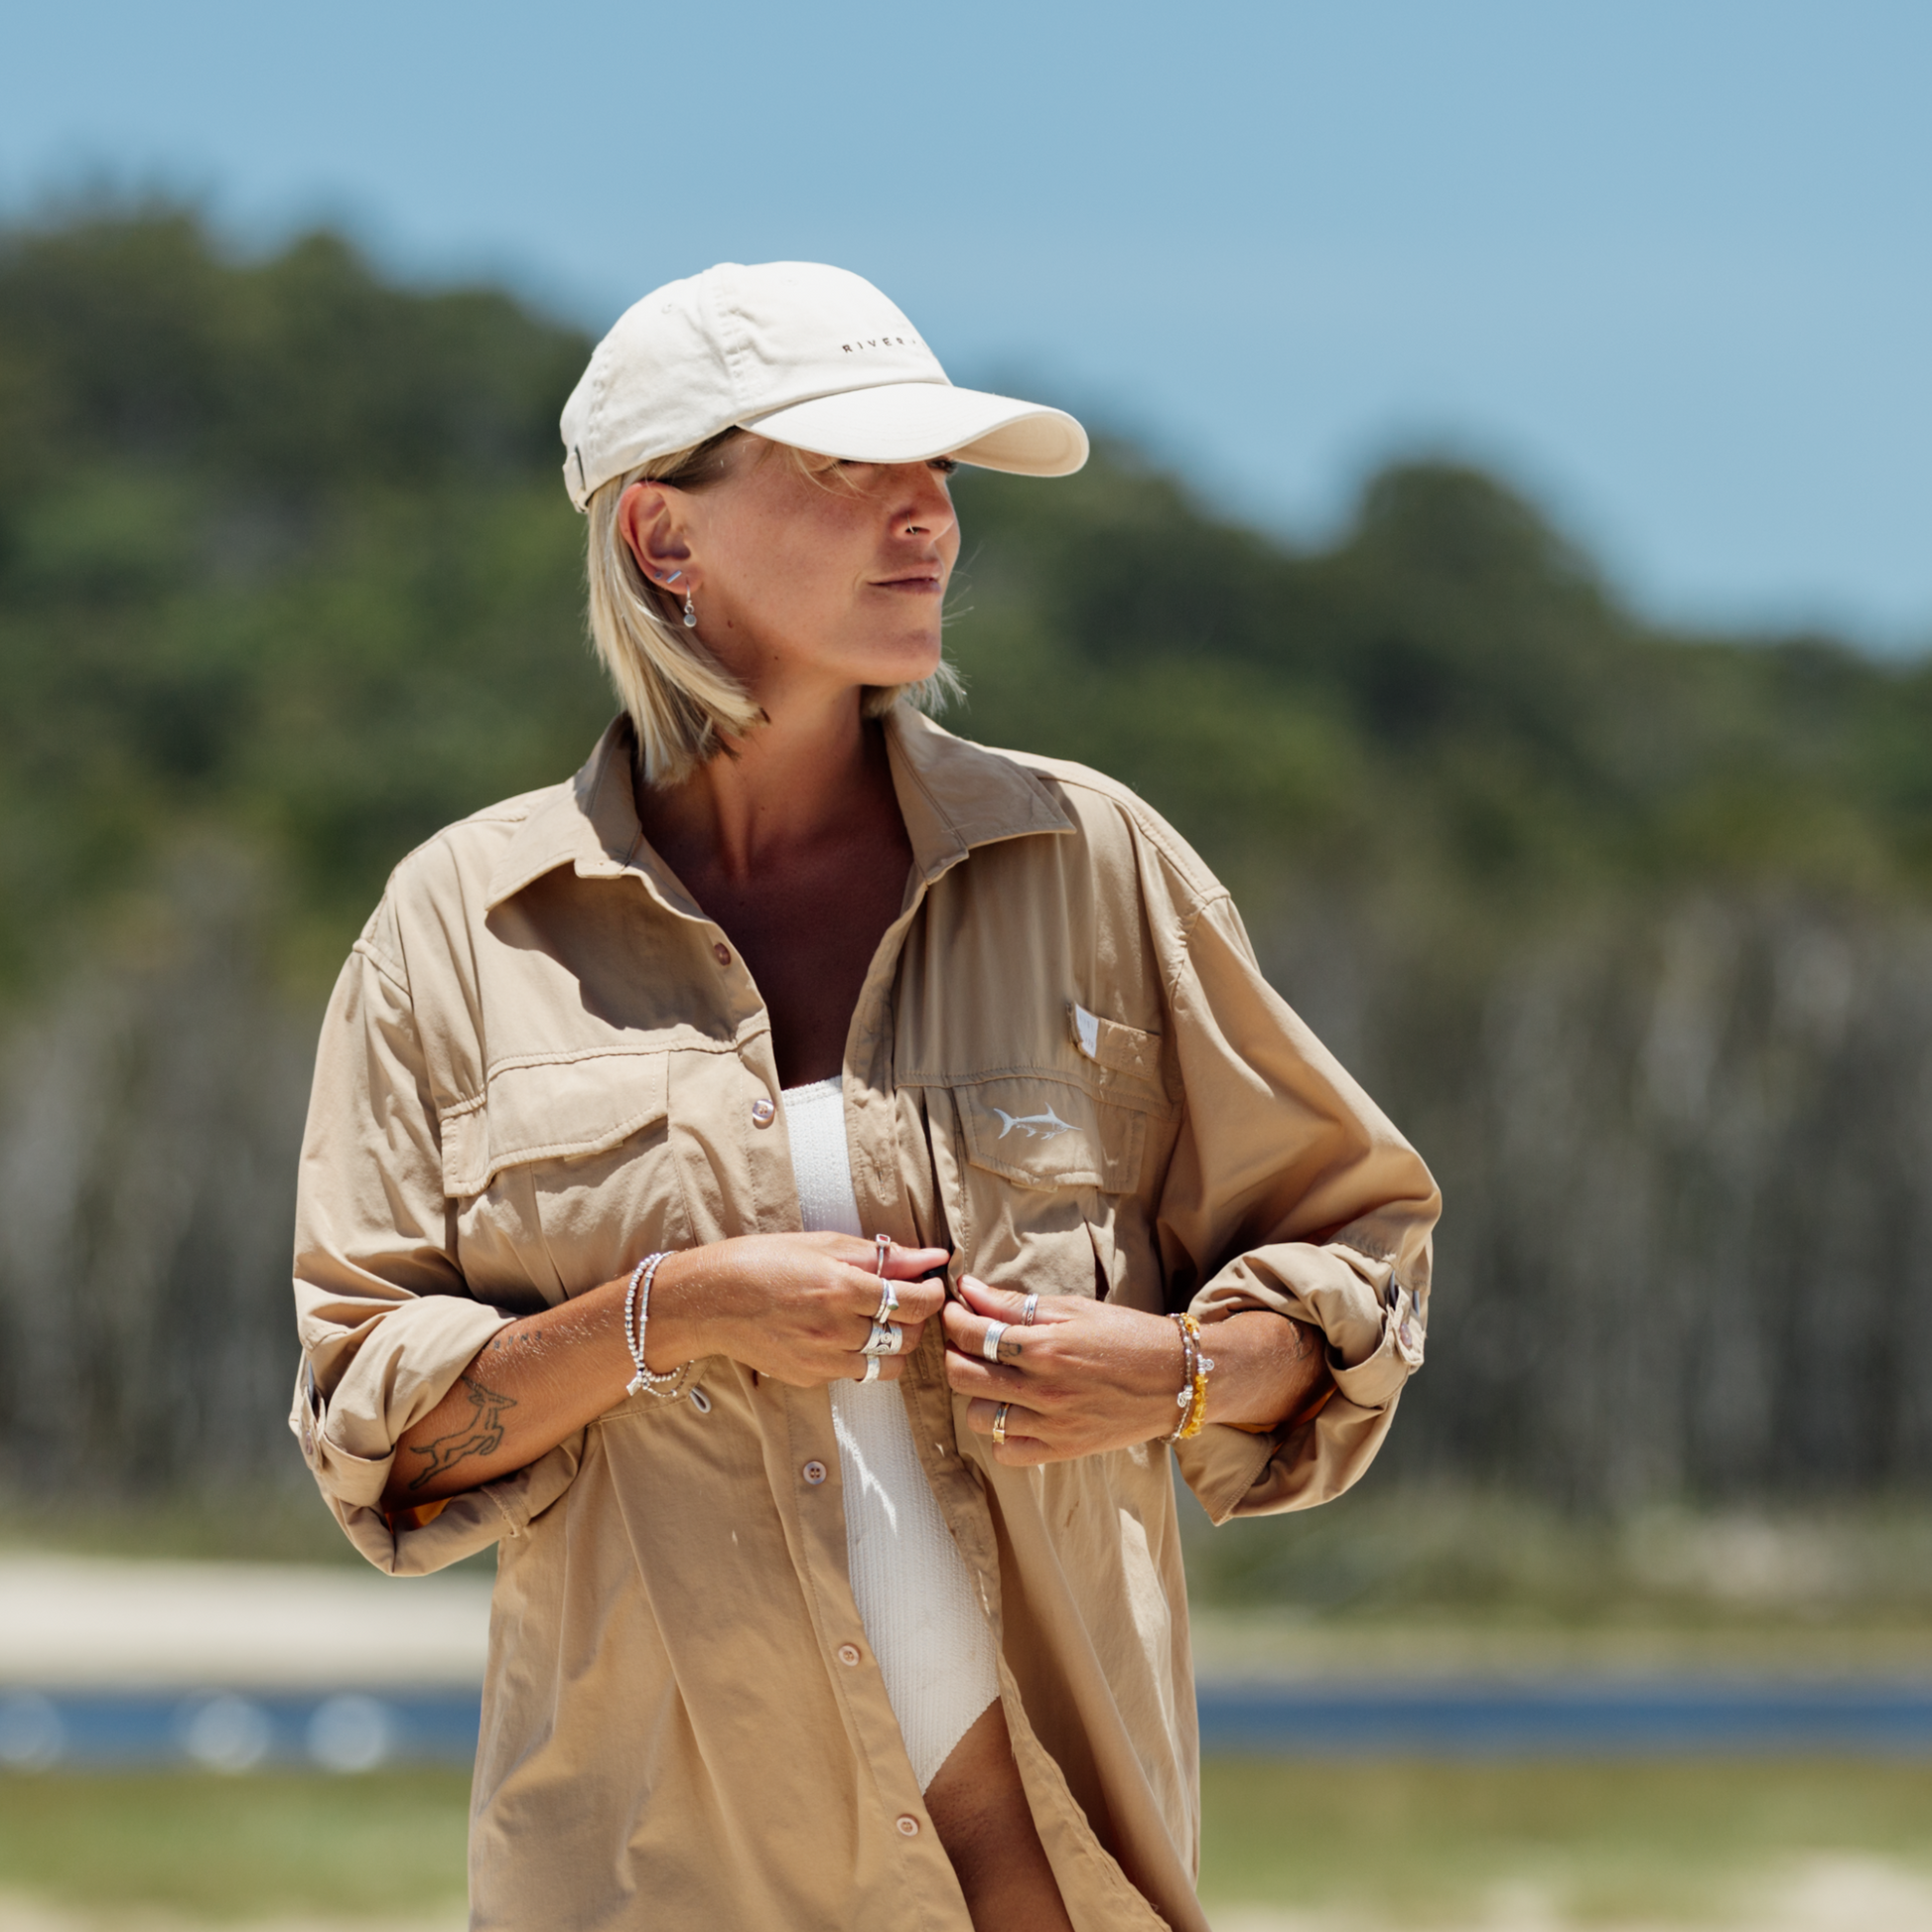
{"points": [[979, 1809]]}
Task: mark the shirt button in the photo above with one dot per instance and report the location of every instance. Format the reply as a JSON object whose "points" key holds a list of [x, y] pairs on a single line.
{"points": [[908, 1826], [763, 1113], [721, 953], [813, 1473], [848, 1654]]}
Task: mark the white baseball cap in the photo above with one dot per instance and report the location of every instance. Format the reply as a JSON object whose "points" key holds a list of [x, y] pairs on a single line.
{"points": [[800, 353]]}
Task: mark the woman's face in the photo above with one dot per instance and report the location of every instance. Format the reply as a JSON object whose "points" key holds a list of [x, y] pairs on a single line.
{"points": [[805, 575]]}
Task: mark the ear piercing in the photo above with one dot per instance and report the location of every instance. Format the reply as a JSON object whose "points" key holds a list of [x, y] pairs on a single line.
{"points": [[690, 614]]}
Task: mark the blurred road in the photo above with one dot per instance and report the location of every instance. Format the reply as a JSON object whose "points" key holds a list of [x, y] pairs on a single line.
{"points": [[95, 1621]]}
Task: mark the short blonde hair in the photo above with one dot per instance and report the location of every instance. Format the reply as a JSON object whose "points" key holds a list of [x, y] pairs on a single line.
{"points": [[682, 701]]}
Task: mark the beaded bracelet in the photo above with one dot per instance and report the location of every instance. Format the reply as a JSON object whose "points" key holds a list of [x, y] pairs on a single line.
{"points": [[1193, 1399], [646, 1380]]}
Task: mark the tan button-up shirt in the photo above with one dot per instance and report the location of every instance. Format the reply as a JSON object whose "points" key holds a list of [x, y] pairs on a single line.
{"points": [[1066, 1066]]}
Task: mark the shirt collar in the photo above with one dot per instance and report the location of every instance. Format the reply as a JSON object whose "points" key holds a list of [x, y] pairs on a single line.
{"points": [[953, 795]]}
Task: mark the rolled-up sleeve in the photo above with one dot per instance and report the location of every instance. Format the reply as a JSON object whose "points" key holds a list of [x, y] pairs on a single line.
{"points": [[386, 1322], [1289, 1192]]}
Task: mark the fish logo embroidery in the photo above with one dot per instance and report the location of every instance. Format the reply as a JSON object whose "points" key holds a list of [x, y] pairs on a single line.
{"points": [[1035, 1126]]}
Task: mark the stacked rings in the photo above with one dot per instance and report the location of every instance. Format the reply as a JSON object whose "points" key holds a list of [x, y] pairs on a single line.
{"points": [[990, 1345]]}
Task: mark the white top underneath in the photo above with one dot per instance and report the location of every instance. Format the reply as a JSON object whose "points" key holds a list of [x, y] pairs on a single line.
{"points": [[915, 1596]]}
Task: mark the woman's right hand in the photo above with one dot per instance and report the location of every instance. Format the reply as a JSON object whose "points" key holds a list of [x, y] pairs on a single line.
{"points": [[795, 1306]]}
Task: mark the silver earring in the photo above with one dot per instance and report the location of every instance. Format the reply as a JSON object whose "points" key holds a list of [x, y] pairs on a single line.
{"points": [[690, 615]]}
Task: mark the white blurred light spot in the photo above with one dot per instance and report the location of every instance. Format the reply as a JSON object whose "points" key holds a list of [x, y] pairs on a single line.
{"points": [[352, 1732], [227, 1733], [30, 1731]]}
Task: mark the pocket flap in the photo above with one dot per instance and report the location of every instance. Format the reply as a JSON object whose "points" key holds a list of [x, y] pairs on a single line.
{"points": [[550, 1110], [1046, 1132], [1113, 1043]]}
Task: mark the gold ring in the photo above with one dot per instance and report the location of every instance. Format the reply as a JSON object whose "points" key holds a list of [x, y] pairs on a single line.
{"points": [[1000, 1425]]}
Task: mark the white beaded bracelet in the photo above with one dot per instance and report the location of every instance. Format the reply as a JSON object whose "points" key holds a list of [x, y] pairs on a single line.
{"points": [[646, 1380]]}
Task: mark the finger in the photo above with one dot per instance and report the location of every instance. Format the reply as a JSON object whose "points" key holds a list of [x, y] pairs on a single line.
{"points": [[901, 1264], [1009, 1304], [1018, 1447], [908, 1332], [968, 1375], [971, 1333], [916, 1302]]}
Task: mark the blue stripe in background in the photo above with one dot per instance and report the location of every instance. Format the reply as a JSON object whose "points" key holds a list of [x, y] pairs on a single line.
{"points": [[1670, 1717], [360, 1730]]}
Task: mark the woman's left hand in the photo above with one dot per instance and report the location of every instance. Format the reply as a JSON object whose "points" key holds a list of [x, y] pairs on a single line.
{"points": [[1085, 1376]]}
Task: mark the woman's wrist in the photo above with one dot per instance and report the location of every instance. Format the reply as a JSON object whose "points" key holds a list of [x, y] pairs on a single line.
{"points": [[1269, 1368], [677, 1331]]}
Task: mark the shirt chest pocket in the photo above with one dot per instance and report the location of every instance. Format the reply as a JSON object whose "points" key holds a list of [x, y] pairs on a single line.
{"points": [[559, 1174], [1026, 1166]]}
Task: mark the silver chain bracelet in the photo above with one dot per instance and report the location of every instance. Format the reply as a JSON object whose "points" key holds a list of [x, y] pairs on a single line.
{"points": [[637, 1296]]}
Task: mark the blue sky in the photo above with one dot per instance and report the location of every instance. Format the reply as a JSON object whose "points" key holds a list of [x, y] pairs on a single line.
{"points": [[1669, 265]]}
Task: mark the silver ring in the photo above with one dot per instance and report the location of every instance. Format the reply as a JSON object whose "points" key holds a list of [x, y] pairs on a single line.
{"points": [[885, 1339], [887, 1301], [883, 1246], [1030, 1309], [1000, 1425], [990, 1347], [872, 1369]]}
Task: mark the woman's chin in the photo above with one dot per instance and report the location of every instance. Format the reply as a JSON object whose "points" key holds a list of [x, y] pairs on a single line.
{"points": [[903, 663]]}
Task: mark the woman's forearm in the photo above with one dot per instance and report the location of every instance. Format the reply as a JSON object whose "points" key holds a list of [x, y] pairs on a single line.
{"points": [[1268, 1369], [533, 1384], [795, 1306]]}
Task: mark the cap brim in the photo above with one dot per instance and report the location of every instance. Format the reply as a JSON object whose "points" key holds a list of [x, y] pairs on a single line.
{"points": [[908, 422]]}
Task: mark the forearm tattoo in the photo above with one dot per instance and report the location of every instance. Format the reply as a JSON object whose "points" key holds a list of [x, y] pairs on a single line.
{"points": [[480, 1434]]}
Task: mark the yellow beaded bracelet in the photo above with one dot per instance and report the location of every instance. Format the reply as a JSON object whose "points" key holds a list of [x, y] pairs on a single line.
{"points": [[1192, 1400]]}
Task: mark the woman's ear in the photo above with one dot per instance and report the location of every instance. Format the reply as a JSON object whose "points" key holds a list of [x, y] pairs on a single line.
{"points": [[652, 530]]}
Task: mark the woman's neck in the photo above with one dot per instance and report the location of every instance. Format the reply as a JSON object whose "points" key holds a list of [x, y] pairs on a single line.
{"points": [[789, 784]]}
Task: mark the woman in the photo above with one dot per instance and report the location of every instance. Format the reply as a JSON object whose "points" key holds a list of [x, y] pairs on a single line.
{"points": [[786, 1186]]}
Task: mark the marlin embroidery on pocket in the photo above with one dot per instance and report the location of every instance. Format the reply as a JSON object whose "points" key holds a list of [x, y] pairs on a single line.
{"points": [[1035, 1126]]}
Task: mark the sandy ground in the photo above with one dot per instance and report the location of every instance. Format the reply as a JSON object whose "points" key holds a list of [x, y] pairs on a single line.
{"points": [[100, 1621], [1836, 1894], [114, 1622], [1822, 1895], [18, 1914]]}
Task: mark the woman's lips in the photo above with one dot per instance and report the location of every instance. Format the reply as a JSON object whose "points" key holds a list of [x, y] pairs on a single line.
{"points": [[919, 583]]}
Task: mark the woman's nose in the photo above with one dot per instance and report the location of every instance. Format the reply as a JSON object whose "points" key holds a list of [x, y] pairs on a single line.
{"points": [[927, 506]]}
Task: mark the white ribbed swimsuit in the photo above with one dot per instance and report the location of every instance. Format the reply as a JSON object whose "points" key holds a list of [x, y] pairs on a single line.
{"points": [[915, 1596]]}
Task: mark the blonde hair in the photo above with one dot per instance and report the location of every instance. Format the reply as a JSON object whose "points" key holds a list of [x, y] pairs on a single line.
{"points": [[682, 701]]}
